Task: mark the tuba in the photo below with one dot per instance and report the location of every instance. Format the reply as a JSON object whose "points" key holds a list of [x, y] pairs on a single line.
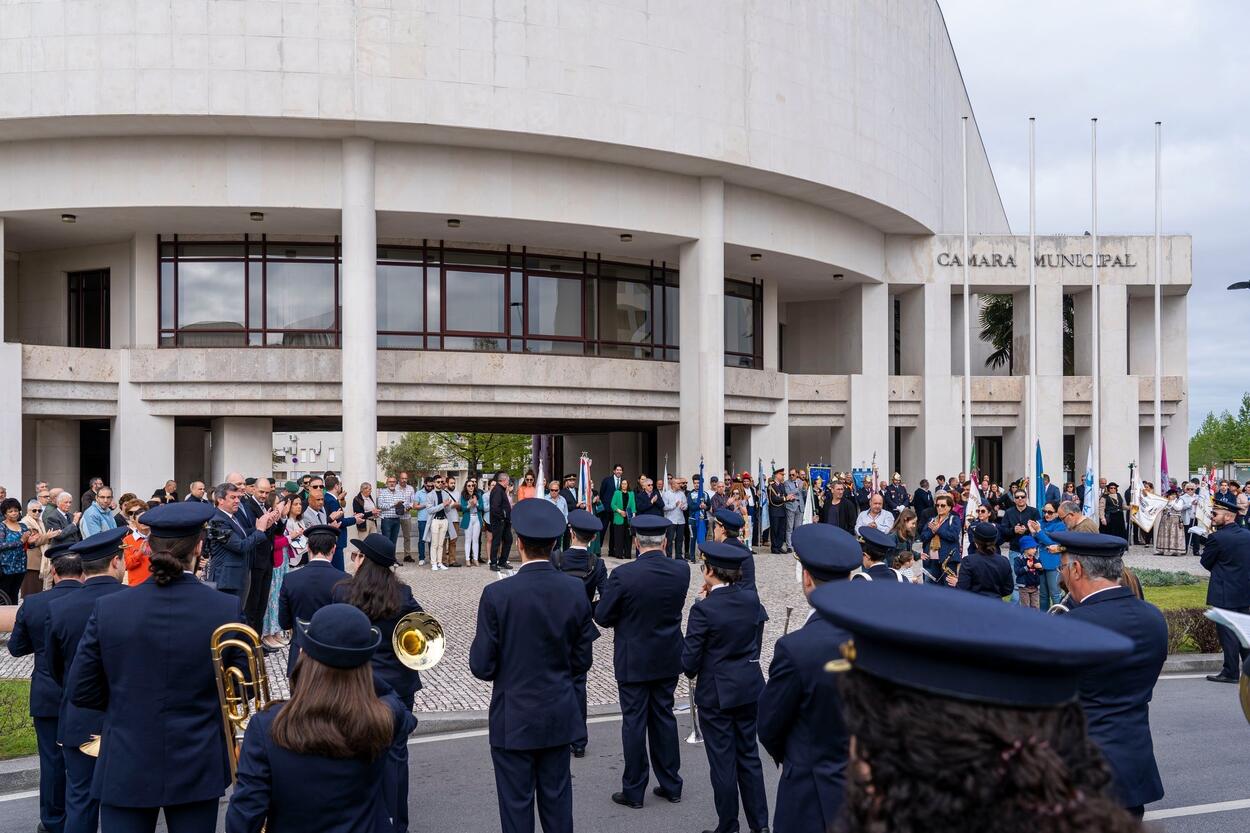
{"points": [[242, 691], [1061, 607], [418, 641]]}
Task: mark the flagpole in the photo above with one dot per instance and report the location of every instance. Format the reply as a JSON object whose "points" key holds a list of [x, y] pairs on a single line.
{"points": [[1095, 421], [967, 315], [1158, 415], [1033, 433]]}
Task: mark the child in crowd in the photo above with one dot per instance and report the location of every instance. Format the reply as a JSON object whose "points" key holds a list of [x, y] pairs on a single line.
{"points": [[905, 566], [1028, 573]]}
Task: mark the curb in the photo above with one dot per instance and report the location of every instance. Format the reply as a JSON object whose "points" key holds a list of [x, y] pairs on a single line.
{"points": [[1193, 664]]}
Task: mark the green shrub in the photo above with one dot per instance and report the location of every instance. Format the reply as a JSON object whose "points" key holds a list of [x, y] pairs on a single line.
{"points": [[1150, 577], [17, 730], [1190, 631]]}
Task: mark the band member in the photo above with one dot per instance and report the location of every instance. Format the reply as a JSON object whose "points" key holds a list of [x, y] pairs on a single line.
{"points": [[103, 566], [577, 561], [377, 591], [1116, 695], [643, 601], [939, 538], [534, 635], [306, 591], [878, 549], [729, 526], [144, 660], [800, 711], [722, 650], [984, 570], [319, 760], [1003, 735], [1227, 555], [30, 633]]}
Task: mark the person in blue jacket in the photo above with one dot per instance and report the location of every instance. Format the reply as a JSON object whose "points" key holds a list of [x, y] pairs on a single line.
{"points": [[534, 635], [939, 540], [318, 760], [577, 561], [800, 710], [985, 571], [1116, 695], [721, 652], [1048, 555], [68, 621], [144, 661], [29, 636]]}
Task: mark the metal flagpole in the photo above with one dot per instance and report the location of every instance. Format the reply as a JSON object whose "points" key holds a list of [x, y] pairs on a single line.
{"points": [[1095, 426], [967, 458], [1034, 434], [1158, 415]]}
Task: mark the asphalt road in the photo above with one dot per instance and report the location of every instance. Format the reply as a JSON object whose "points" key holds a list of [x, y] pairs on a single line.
{"points": [[1202, 743]]}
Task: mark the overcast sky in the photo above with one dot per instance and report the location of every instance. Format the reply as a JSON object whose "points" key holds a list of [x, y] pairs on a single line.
{"points": [[1129, 63]]}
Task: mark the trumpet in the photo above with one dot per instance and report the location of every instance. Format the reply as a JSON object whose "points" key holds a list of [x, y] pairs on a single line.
{"points": [[418, 641], [696, 735], [242, 691]]}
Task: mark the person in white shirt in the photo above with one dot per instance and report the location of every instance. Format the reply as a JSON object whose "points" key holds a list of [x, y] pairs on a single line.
{"points": [[674, 500], [438, 501], [875, 515], [408, 495], [554, 497]]}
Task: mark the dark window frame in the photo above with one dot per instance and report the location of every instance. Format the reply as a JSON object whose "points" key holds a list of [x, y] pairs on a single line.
{"points": [[75, 326], [756, 356]]}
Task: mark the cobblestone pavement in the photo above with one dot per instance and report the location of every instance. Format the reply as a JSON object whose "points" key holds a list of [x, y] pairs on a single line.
{"points": [[452, 596]]}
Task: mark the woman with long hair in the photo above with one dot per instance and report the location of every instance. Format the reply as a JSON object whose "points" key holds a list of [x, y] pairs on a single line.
{"points": [[527, 488], [472, 505], [1004, 744], [623, 508], [319, 760], [903, 531]]}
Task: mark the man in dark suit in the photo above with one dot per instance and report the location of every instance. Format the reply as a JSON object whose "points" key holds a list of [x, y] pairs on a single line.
{"points": [[307, 590], [800, 710], [579, 562], [896, 495], [922, 502], [231, 541], [608, 487], [721, 653], [643, 601], [569, 492], [500, 523], [1227, 555], [260, 577], [1050, 492], [103, 567], [59, 517], [534, 634], [1116, 696], [30, 633]]}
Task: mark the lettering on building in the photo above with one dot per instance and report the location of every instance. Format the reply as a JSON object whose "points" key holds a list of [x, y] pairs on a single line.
{"points": [[1047, 261]]}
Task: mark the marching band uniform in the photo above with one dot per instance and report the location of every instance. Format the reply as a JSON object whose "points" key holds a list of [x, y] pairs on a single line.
{"points": [[732, 523], [988, 575], [68, 623], [643, 601], [306, 591], [1116, 695], [879, 549], [580, 564], [30, 636], [800, 710], [290, 792], [534, 634], [144, 661], [722, 650], [1226, 554]]}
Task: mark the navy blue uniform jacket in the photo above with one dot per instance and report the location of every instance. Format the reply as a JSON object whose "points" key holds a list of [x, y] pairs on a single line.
{"points": [[577, 560], [1227, 556], [67, 622], [292, 793], [643, 599], [801, 726], [989, 575], [534, 635], [1116, 696], [145, 661], [386, 665], [30, 634], [722, 647], [304, 592]]}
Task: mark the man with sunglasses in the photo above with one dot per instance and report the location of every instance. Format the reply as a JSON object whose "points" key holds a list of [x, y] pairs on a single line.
{"points": [[1018, 521]]}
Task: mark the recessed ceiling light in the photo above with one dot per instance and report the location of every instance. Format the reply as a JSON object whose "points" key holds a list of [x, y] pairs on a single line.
{"points": [[627, 238], [69, 218], [257, 216], [837, 276], [453, 223], [756, 256]]}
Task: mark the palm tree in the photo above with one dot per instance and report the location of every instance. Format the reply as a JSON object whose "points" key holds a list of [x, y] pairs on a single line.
{"points": [[997, 329]]}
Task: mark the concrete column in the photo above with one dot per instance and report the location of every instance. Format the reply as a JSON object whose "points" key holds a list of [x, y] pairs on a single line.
{"points": [[665, 445], [56, 452], [772, 442], [772, 327], [11, 418], [1120, 403], [1082, 338], [144, 281], [943, 402], [702, 366], [1113, 332], [191, 456], [242, 444], [4, 290], [870, 389], [1050, 378], [1175, 363], [360, 327], [141, 444]]}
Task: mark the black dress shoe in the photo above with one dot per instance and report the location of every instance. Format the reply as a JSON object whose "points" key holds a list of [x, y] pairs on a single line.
{"points": [[579, 752], [666, 795], [1220, 678], [408, 559], [620, 798]]}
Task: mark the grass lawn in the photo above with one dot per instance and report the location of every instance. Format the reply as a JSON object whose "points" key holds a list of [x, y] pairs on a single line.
{"points": [[1174, 598], [17, 733]]}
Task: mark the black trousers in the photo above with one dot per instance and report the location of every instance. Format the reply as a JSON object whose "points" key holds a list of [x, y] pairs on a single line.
{"points": [[619, 541], [733, 758], [519, 774], [673, 544], [192, 817], [1234, 654], [649, 725], [776, 530], [579, 687], [82, 812], [51, 774], [500, 541], [257, 599]]}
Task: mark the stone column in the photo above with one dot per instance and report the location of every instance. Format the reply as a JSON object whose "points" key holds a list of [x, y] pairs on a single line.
{"points": [[57, 452], [702, 366], [772, 328], [144, 280], [11, 405], [1120, 403], [141, 453], [868, 420], [1050, 378], [242, 444], [943, 402], [360, 327]]}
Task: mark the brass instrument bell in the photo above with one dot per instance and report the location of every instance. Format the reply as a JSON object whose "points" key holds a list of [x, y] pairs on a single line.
{"points": [[418, 641]]}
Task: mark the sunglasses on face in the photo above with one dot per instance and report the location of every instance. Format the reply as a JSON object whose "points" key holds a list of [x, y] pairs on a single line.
{"points": [[317, 486]]}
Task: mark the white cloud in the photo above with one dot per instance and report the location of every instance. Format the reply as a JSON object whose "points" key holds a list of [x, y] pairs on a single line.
{"points": [[1129, 63]]}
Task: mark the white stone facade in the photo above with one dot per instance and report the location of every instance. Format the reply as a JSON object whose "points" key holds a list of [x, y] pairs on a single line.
{"points": [[823, 138]]}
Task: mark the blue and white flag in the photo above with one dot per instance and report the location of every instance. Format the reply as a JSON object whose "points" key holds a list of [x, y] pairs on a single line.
{"points": [[762, 500], [1091, 499]]}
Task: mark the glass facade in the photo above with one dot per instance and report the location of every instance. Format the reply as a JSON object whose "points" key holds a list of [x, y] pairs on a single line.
{"points": [[432, 297]]}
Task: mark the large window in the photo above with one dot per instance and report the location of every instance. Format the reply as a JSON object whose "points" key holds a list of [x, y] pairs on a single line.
{"points": [[744, 318]]}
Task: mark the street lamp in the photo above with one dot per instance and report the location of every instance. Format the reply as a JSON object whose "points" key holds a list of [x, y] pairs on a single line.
{"points": [[1240, 285]]}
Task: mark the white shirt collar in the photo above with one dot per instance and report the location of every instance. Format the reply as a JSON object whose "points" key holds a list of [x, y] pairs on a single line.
{"points": [[1096, 592], [716, 587]]}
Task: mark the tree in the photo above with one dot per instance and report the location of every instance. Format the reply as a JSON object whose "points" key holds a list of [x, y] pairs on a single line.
{"points": [[419, 452], [413, 452], [998, 328], [1222, 438]]}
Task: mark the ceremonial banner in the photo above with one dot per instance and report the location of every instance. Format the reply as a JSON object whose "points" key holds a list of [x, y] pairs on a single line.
{"points": [[700, 527], [823, 472], [1038, 489], [583, 482], [761, 486], [541, 484], [1091, 500], [860, 476], [1165, 482], [1202, 510], [1144, 509]]}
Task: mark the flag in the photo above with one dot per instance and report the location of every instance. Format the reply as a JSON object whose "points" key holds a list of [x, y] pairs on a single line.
{"points": [[1090, 508], [1165, 482], [541, 485], [1202, 509], [1037, 481], [664, 482], [973, 474], [974, 498], [807, 499], [700, 527], [762, 498], [583, 482]]}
